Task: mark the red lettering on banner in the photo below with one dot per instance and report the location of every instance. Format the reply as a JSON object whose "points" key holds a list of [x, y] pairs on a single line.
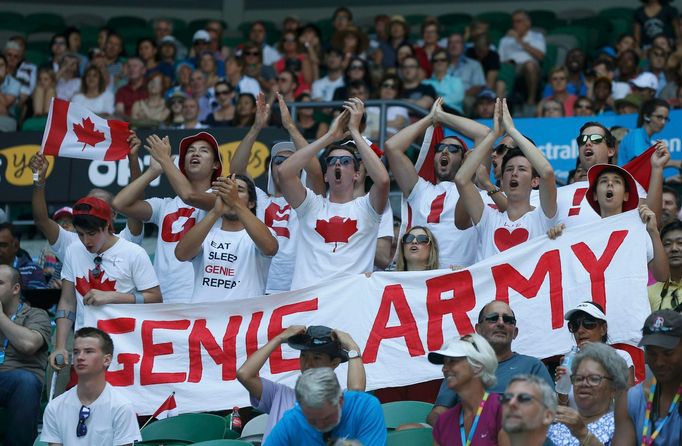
{"points": [[596, 267], [506, 277], [578, 196], [227, 355], [167, 234], [252, 333], [393, 296], [436, 209], [151, 350], [274, 213], [464, 300], [126, 375], [277, 363]]}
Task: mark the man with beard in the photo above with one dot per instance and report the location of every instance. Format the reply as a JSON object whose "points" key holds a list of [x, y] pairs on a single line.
{"points": [[523, 169], [497, 324], [432, 203], [325, 413], [336, 233]]}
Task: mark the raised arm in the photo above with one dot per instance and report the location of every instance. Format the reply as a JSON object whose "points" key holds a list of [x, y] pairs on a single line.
{"points": [[357, 380], [465, 126], [41, 217], [654, 197], [537, 160], [313, 170], [135, 225], [659, 264], [378, 194], [189, 245], [129, 200], [248, 372], [289, 182], [160, 150], [241, 156]]}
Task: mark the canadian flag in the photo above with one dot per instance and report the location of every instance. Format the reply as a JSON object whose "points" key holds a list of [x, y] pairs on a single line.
{"points": [[167, 408], [73, 131]]}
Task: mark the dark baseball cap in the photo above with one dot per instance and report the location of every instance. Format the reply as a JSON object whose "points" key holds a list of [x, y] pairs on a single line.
{"points": [[318, 338], [663, 328]]}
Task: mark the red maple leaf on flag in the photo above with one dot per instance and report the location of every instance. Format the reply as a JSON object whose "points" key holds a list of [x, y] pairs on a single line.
{"points": [[94, 283], [87, 133], [337, 229]]}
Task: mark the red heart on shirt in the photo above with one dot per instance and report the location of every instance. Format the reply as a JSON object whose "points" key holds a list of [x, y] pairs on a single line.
{"points": [[505, 239]]}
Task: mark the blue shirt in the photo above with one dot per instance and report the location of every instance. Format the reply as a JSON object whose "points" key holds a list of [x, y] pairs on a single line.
{"points": [[451, 88], [635, 142], [516, 365], [361, 419], [670, 434]]}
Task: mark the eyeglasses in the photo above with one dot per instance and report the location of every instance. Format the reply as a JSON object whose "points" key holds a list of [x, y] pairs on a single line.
{"points": [[343, 160], [356, 67], [522, 398], [421, 239], [492, 318], [452, 148], [590, 380], [252, 53], [439, 59], [82, 428], [583, 105], [588, 323], [390, 85], [594, 137], [661, 118], [222, 92], [98, 267], [279, 159]]}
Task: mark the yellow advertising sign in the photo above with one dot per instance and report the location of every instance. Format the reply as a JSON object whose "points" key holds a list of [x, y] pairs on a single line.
{"points": [[17, 171]]}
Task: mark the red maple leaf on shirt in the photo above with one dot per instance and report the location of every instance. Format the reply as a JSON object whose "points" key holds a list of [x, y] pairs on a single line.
{"points": [[87, 133], [337, 229], [94, 283]]}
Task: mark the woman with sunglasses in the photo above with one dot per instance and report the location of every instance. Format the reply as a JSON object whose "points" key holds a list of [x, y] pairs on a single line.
{"points": [[224, 114], [396, 117], [252, 55], [418, 250], [294, 59], [447, 86], [469, 365], [357, 70], [652, 119], [598, 375], [587, 323]]}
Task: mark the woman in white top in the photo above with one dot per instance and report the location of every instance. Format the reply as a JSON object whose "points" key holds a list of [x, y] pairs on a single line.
{"points": [[68, 80], [94, 94]]}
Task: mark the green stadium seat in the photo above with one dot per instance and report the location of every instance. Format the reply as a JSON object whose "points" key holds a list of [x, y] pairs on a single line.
{"points": [[498, 20], [401, 412], [507, 74], [39, 443], [224, 443], [600, 30], [618, 28], [197, 24], [326, 27], [542, 19], [550, 60], [410, 437], [132, 34], [580, 33], [35, 124], [458, 28], [10, 17], [618, 13], [415, 20], [37, 57], [126, 21], [45, 18], [190, 428], [82, 20], [455, 18]]}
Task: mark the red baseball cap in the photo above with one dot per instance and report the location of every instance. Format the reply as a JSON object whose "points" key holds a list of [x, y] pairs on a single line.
{"points": [[593, 174], [201, 136], [98, 208]]}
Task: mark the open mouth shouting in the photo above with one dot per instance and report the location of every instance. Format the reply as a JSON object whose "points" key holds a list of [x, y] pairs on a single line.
{"points": [[609, 194], [444, 161], [337, 174], [588, 153], [513, 183]]}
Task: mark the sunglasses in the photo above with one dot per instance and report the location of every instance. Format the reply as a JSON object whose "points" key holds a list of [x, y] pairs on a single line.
{"points": [[588, 323], [390, 85], [222, 92], [661, 118], [492, 318], [594, 137], [405, 67], [421, 239], [82, 428], [502, 148], [356, 67], [583, 106], [590, 380], [252, 53], [98, 267], [343, 160], [522, 398], [440, 59], [452, 148], [279, 159]]}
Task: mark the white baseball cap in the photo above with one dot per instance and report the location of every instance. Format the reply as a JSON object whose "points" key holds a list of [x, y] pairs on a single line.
{"points": [[646, 80], [586, 307]]}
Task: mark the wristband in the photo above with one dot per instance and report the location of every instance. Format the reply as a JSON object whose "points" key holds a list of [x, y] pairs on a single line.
{"points": [[62, 314], [38, 185], [493, 192], [139, 298]]}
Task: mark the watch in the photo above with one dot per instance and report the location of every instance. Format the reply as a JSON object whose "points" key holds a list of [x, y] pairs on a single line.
{"points": [[352, 354]]}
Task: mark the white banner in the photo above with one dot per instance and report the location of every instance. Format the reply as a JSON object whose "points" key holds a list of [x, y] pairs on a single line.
{"points": [[396, 318]]}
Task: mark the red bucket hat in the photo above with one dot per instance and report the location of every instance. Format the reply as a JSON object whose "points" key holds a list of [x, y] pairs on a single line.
{"points": [[593, 174], [201, 136]]}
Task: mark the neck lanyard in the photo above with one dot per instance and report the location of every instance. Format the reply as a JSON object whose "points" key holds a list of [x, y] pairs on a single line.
{"points": [[12, 319], [467, 442], [646, 439]]}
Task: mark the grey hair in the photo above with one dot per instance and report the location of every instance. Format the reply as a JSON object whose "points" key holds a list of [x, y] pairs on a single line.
{"points": [[608, 358], [317, 387], [483, 360], [549, 398]]}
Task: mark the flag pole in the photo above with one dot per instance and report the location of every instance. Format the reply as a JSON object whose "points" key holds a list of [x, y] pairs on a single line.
{"points": [[152, 416], [36, 175]]}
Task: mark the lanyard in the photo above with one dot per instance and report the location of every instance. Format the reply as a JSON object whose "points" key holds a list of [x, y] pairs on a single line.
{"points": [[467, 442], [649, 440], [12, 319]]}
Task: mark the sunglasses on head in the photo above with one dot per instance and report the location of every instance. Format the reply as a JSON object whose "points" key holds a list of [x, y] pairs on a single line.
{"points": [[594, 137], [452, 148], [589, 323], [98, 267], [82, 428], [343, 160], [279, 159], [492, 318], [421, 239], [522, 398]]}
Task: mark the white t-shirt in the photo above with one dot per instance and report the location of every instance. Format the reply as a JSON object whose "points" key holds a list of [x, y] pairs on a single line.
{"points": [[433, 206], [126, 268], [102, 104], [497, 233], [323, 89], [229, 266], [334, 238], [112, 420], [510, 50], [65, 238], [386, 223], [276, 213], [174, 219], [373, 119]]}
